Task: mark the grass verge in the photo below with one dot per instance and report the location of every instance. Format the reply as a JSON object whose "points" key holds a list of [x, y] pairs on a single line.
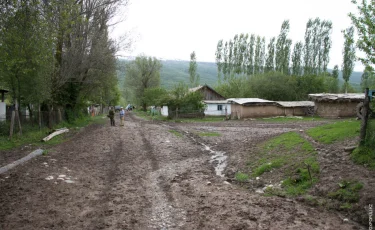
{"points": [[286, 119], [33, 136], [337, 131], [291, 159]]}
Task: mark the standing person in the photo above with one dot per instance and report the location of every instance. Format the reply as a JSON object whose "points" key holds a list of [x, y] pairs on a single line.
{"points": [[112, 116], [122, 116]]}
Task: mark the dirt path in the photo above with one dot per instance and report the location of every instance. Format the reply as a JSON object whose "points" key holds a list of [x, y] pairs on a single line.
{"points": [[142, 176]]}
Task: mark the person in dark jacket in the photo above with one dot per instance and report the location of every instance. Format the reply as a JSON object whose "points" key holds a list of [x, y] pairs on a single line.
{"points": [[111, 116]]}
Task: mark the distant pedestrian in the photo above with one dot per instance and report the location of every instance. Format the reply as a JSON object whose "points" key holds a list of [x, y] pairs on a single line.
{"points": [[122, 116], [111, 116]]}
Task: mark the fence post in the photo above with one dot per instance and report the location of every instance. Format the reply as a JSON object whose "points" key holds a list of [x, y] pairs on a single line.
{"points": [[365, 113], [40, 117], [11, 125], [18, 119]]}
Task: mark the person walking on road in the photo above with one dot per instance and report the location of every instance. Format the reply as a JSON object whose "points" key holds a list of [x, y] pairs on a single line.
{"points": [[111, 116], [122, 116]]}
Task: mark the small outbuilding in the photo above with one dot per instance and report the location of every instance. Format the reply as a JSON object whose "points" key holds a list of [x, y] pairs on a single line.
{"points": [[256, 107], [336, 105]]}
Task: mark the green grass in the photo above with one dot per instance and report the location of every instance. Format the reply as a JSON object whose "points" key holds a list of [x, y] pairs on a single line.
{"points": [[290, 119], [337, 131], [347, 191], [288, 155], [267, 167], [241, 177], [209, 134], [364, 155], [32, 134], [176, 133], [288, 141]]}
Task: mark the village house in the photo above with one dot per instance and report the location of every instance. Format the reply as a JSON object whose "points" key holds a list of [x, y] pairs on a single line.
{"points": [[336, 105]]}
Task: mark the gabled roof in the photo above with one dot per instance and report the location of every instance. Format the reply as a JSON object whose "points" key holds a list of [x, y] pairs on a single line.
{"points": [[202, 87]]}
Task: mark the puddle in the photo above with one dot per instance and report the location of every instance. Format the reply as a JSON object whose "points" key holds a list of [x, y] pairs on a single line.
{"points": [[219, 158]]}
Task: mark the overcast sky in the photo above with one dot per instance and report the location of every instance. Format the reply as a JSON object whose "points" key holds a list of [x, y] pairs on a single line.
{"points": [[172, 29]]}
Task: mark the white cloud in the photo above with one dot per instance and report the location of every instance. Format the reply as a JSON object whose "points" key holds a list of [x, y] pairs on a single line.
{"points": [[175, 28]]}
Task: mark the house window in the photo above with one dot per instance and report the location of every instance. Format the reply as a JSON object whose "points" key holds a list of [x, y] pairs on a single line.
{"points": [[220, 107]]}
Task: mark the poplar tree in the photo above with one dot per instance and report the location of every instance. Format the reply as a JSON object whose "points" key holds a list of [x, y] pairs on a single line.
{"points": [[297, 59], [282, 47], [349, 55], [194, 77], [270, 60]]}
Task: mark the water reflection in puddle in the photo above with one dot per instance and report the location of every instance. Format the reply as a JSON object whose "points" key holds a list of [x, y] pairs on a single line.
{"points": [[219, 158]]}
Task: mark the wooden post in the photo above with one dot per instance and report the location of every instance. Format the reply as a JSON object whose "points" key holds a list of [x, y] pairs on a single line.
{"points": [[11, 125], [40, 117], [18, 119], [365, 113]]}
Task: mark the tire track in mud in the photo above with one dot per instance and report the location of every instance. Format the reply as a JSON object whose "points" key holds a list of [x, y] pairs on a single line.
{"points": [[162, 211]]}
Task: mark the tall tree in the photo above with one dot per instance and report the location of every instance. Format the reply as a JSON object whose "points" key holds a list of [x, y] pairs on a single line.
{"points": [[282, 50], [270, 60], [307, 48], [194, 77], [141, 74], [364, 23], [297, 59], [257, 61], [335, 72], [250, 55], [219, 58], [349, 55]]}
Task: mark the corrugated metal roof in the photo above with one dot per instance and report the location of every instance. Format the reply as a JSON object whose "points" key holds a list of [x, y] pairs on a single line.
{"points": [[243, 101], [337, 97], [216, 102], [295, 103]]}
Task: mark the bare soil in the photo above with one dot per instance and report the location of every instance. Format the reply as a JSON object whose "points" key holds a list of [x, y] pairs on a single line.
{"points": [[142, 176]]}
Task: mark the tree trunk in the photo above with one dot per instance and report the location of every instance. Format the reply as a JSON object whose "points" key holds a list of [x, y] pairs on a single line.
{"points": [[12, 125], [18, 120], [30, 114], [365, 113], [40, 117]]}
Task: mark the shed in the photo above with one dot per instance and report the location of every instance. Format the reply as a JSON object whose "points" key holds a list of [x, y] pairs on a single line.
{"points": [[336, 105], [296, 108], [217, 108], [208, 93], [256, 107]]}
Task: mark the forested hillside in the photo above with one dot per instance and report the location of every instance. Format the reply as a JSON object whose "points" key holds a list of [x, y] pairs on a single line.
{"points": [[174, 71]]}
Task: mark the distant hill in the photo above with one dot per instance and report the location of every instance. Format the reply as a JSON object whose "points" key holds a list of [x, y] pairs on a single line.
{"points": [[174, 71]]}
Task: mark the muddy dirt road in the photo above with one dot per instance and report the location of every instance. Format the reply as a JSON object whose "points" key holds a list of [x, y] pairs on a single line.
{"points": [[142, 176]]}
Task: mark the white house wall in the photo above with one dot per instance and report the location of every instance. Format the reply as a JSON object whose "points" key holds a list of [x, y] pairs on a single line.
{"points": [[164, 111], [2, 111], [211, 110]]}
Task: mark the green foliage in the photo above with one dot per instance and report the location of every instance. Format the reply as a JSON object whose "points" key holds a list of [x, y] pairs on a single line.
{"points": [[267, 167], [347, 191], [183, 100], [141, 74], [194, 77], [364, 23], [337, 131], [209, 134], [241, 177], [290, 119], [349, 54], [155, 96], [365, 153]]}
